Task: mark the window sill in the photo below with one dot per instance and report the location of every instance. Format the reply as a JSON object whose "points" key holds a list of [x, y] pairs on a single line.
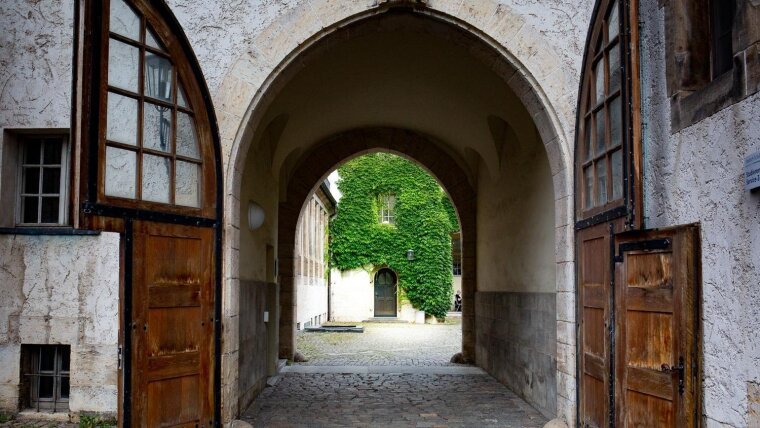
{"points": [[52, 231]]}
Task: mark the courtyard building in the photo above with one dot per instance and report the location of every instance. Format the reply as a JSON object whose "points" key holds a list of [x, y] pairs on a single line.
{"points": [[602, 156]]}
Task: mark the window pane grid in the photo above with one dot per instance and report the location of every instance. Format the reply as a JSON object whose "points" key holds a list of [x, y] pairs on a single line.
{"points": [[158, 105], [601, 138], [386, 202], [41, 182]]}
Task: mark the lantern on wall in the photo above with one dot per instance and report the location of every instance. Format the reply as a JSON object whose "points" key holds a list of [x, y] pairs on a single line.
{"points": [[255, 215], [158, 84]]}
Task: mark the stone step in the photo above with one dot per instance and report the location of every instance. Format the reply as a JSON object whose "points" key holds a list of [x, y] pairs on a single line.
{"points": [[387, 320]]}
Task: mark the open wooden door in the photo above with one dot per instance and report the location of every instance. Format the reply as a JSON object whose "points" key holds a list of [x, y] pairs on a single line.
{"points": [[657, 300], [147, 165]]}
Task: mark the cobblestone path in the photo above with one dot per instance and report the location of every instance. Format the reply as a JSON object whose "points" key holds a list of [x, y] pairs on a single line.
{"points": [[390, 400], [420, 391], [384, 344]]}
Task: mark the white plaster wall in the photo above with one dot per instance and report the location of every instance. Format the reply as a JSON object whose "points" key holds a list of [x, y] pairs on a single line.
{"points": [[696, 175], [516, 213], [35, 63], [62, 290], [352, 297], [312, 299]]}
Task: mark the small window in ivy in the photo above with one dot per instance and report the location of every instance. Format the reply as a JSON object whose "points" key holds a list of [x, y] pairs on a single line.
{"points": [[456, 254], [386, 203]]}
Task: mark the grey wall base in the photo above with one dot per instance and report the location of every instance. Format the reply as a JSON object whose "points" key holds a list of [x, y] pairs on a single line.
{"points": [[516, 342], [254, 338]]}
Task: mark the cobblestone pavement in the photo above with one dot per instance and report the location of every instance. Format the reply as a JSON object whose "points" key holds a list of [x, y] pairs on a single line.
{"points": [[35, 423], [394, 344], [390, 400]]}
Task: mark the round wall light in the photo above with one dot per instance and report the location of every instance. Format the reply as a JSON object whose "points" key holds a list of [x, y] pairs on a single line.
{"points": [[255, 215]]}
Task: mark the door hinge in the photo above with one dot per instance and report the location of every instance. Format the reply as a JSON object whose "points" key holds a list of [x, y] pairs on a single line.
{"points": [[120, 357], [650, 245]]}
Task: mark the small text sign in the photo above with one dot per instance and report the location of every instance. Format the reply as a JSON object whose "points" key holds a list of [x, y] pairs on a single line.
{"points": [[752, 171]]}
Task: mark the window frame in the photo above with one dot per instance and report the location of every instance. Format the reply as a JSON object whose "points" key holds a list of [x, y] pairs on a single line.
{"points": [[92, 180], [386, 208], [456, 254], [31, 373], [63, 193], [598, 47], [715, 37], [695, 91]]}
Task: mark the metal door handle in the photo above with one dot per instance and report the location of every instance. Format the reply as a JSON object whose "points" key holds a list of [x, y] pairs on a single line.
{"points": [[676, 369]]}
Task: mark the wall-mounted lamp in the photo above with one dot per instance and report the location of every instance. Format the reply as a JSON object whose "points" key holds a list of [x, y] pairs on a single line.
{"points": [[410, 255], [255, 215]]}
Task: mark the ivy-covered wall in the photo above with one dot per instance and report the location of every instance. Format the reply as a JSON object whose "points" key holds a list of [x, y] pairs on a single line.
{"points": [[424, 220]]}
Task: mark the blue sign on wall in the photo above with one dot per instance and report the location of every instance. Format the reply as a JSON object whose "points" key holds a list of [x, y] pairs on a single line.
{"points": [[752, 171]]}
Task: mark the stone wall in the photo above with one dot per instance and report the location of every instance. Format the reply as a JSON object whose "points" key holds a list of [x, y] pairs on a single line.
{"points": [[62, 290], [254, 338], [696, 175], [516, 342]]}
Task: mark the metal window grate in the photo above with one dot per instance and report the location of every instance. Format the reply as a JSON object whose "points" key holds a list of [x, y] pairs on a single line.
{"points": [[46, 376]]}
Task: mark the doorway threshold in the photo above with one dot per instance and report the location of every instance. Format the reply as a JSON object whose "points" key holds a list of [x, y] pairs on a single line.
{"points": [[335, 329]]}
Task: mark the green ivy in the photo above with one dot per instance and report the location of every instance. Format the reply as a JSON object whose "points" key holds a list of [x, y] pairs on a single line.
{"points": [[424, 219]]}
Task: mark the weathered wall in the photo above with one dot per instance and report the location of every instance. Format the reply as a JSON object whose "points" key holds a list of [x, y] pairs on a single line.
{"points": [[517, 344], [254, 339], [35, 63], [62, 290], [696, 175]]}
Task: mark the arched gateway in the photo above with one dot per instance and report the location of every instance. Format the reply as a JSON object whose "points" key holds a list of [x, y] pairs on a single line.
{"points": [[403, 77]]}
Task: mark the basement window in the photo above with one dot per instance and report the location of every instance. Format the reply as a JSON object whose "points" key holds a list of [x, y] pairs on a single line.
{"points": [[45, 377]]}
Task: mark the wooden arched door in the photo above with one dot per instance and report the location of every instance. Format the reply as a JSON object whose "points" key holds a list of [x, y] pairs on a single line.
{"points": [[385, 293], [147, 165]]}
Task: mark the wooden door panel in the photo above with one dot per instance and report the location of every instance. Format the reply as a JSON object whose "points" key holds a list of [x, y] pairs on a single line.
{"points": [[594, 316], [174, 402], [647, 411], [656, 307], [172, 325]]}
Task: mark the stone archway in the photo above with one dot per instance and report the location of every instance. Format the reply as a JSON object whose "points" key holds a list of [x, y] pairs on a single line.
{"points": [[251, 93], [331, 152]]}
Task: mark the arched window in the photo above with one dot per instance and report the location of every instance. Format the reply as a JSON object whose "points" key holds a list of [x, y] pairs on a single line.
{"points": [[154, 140], [603, 137]]}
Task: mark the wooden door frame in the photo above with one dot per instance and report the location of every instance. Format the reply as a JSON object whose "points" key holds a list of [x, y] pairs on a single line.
{"points": [[88, 213]]}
